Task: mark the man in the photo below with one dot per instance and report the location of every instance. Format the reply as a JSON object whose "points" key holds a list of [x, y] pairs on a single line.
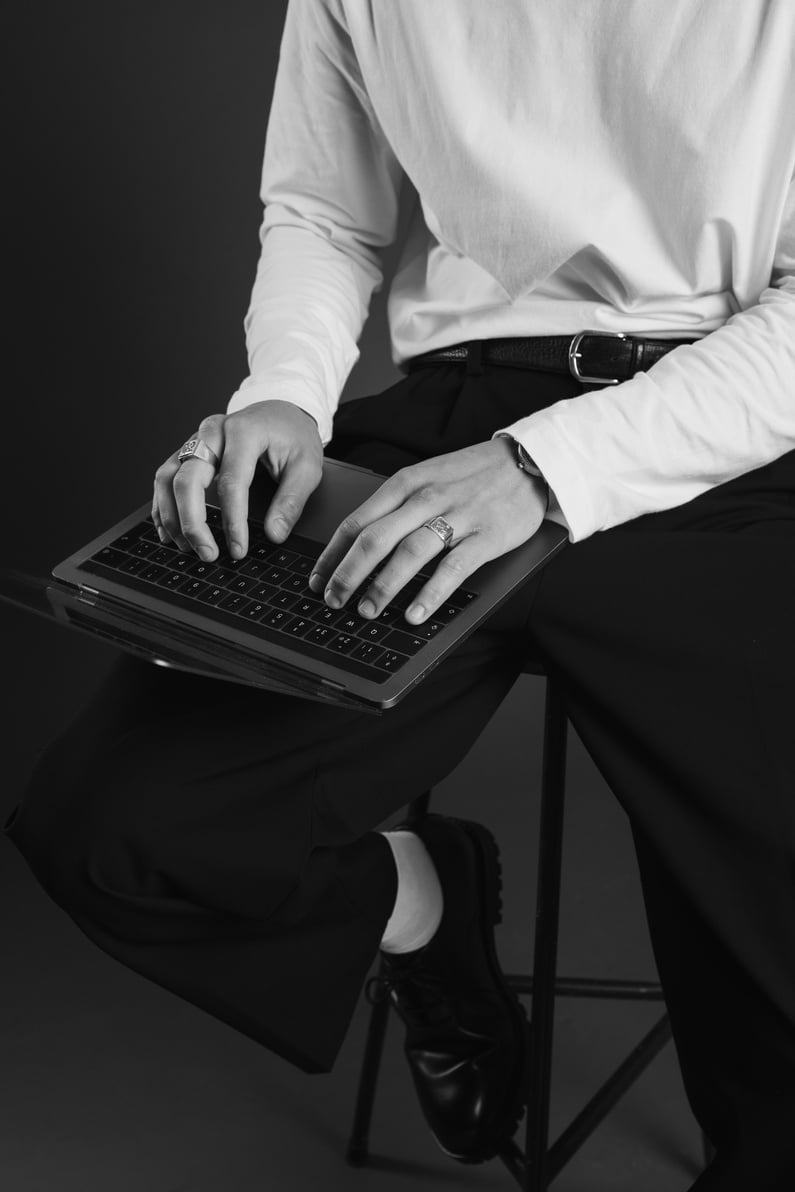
{"points": [[624, 167]]}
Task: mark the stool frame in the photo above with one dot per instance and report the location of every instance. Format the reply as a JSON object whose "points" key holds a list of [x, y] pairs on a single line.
{"points": [[539, 1163]]}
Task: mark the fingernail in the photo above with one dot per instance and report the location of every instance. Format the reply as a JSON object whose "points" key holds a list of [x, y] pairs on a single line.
{"points": [[236, 550], [332, 599], [279, 528], [415, 613], [316, 581], [367, 608], [161, 534], [206, 554]]}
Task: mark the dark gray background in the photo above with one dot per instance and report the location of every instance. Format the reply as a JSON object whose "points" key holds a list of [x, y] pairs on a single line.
{"points": [[132, 152]]}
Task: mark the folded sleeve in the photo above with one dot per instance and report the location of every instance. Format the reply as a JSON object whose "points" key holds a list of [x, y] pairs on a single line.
{"points": [[330, 185], [704, 414]]}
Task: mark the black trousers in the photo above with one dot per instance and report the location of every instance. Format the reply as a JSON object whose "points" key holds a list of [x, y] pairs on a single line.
{"points": [[220, 840]]}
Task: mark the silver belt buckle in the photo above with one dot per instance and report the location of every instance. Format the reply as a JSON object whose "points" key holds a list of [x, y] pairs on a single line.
{"points": [[575, 354]]}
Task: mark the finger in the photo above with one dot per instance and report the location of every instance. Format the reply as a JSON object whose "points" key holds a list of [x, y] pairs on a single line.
{"points": [[237, 470], [372, 546], [189, 484], [155, 515], [163, 501], [298, 480], [410, 555], [455, 566], [358, 547], [386, 500]]}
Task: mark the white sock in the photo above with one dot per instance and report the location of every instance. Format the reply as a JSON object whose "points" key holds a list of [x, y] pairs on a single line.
{"points": [[418, 907]]}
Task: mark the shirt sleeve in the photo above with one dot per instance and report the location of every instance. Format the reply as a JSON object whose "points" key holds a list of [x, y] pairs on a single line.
{"points": [[330, 185], [705, 413]]}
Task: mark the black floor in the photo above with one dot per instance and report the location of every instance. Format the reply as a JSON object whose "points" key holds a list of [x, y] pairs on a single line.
{"points": [[109, 1083]]}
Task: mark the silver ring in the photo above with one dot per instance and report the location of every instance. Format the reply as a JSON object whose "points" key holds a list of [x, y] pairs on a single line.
{"points": [[441, 528], [197, 449]]}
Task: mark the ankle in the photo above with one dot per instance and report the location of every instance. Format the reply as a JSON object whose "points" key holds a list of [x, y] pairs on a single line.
{"points": [[419, 904]]}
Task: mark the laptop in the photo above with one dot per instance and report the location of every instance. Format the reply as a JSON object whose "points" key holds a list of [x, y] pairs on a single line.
{"points": [[255, 620]]}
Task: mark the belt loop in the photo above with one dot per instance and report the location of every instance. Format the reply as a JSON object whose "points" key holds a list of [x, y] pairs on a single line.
{"points": [[475, 358]]}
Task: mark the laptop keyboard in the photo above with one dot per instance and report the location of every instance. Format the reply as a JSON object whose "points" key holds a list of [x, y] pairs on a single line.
{"points": [[269, 592]]}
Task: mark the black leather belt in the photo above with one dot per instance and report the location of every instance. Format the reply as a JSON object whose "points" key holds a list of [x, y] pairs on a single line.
{"points": [[596, 357]]}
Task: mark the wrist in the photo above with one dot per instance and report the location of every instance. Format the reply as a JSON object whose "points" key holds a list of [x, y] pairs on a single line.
{"points": [[527, 464]]}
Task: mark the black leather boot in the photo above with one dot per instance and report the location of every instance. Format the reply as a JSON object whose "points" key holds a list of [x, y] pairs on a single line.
{"points": [[466, 1036]]}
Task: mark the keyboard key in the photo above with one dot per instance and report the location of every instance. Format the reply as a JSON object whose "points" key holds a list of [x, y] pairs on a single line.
{"points": [[150, 534], [171, 579], [372, 631], [252, 567], [110, 557], [262, 591], [343, 643], [282, 557], [367, 652], [128, 539], [282, 599], [405, 643], [260, 552], [391, 661], [163, 556], [302, 565], [201, 570], [256, 609], [277, 618], [307, 607], [225, 575], [274, 575], [131, 565], [295, 583], [214, 517], [179, 562], [152, 572], [321, 635], [328, 616], [300, 626], [389, 615], [428, 630], [446, 613], [233, 603], [213, 595], [350, 622], [462, 598], [143, 549], [195, 588], [242, 584]]}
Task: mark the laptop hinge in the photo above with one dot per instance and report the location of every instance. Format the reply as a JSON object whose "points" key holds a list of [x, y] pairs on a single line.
{"points": [[86, 594]]}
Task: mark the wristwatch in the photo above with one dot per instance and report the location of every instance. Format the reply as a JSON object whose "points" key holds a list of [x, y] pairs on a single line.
{"points": [[525, 461]]}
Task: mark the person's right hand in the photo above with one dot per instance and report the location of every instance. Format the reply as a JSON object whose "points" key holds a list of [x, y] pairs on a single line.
{"points": [[278, 432]]}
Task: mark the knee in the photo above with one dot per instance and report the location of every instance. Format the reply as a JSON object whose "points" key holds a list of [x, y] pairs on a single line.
{"points": [[70, 831]]}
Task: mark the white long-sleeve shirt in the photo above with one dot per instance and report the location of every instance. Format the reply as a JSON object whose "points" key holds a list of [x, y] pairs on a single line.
{"points": [[620, 165]]}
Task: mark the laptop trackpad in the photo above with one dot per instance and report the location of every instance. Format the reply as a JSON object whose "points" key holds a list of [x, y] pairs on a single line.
{"points": [[342, 489]]}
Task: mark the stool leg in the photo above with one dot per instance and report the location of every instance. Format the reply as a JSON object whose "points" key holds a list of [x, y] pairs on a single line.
{"points": [[359, 1143], [546, 940]]}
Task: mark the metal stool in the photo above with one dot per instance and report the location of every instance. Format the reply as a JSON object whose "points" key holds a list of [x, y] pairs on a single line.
{"points": [[536, 1166]]}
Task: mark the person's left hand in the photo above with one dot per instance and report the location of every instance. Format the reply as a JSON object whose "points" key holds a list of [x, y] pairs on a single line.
{"points": [[491, 504]]}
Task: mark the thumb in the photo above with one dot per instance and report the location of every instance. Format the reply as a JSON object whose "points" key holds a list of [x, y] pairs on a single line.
{"points": [[298, 480]]}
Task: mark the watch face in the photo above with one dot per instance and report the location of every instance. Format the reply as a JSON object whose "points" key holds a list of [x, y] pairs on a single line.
{"points": [[524, 460]]}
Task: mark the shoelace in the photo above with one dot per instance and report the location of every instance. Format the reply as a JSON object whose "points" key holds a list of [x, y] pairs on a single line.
{"points": [[421, 994]]}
